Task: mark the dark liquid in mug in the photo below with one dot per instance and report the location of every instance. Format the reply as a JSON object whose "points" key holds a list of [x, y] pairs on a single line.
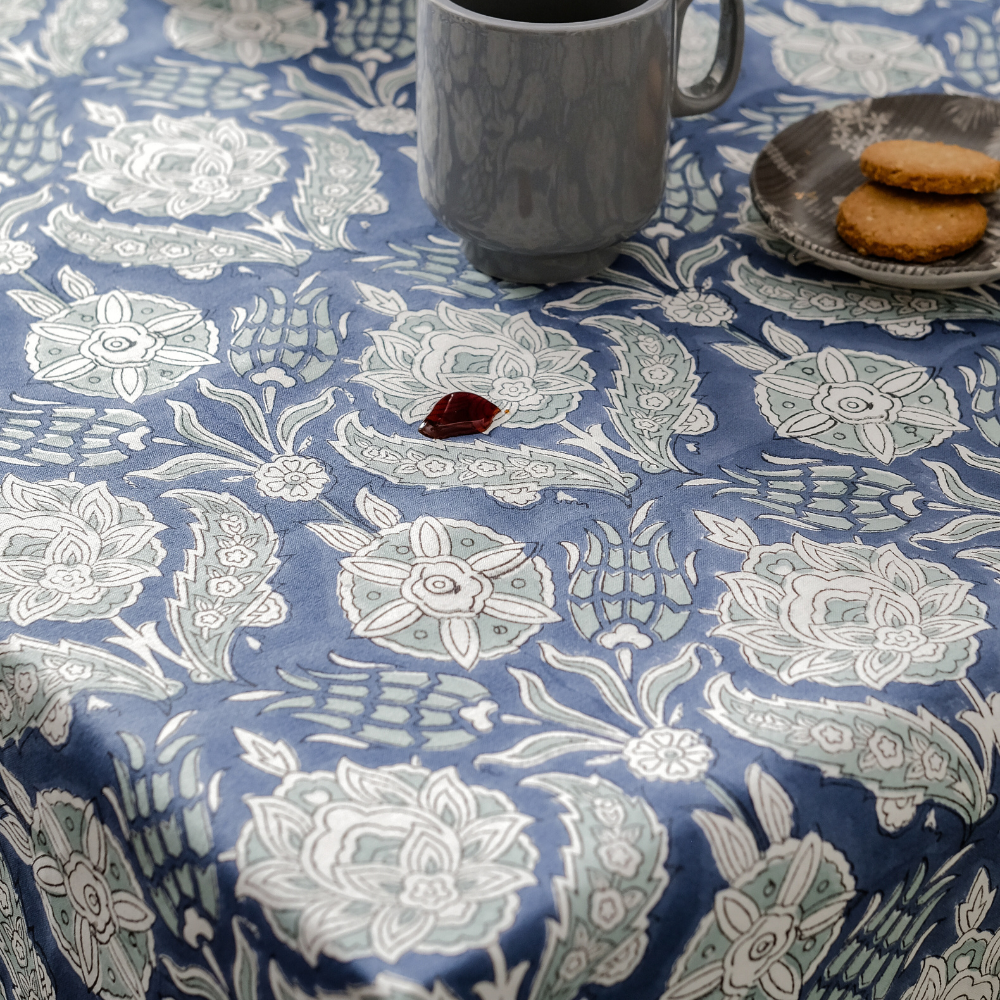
{"points": [[549, 11]]}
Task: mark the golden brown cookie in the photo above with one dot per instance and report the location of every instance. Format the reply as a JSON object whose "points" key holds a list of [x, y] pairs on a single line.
{"points": [[930, 166], [907, 225]]}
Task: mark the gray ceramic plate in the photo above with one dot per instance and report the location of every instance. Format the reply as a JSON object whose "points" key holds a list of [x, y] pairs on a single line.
{"points": [[804, 172]]}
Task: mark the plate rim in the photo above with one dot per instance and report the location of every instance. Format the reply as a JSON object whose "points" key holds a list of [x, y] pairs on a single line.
{"points": [[871, 267]]}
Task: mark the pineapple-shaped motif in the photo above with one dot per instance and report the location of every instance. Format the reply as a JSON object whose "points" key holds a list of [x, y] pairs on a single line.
{"points": [[440, 262], [821, 495], [689, 200], [363, 25], [285, 340], [974, 50], [388, 707], [886, 939], [56, 434], [31, 145], [167, 809], [982, 388], [627, 587], [177, 84]]}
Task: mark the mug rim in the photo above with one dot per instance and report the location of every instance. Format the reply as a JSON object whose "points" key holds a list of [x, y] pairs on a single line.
{"points": [[546, 27]]}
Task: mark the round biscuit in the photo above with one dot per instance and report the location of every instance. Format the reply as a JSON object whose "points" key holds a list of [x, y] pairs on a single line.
{"points": [[906, 225], [931, 167]]}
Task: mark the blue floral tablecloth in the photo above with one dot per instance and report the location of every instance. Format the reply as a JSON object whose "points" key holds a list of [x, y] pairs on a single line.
{"points": [[680, 683]]}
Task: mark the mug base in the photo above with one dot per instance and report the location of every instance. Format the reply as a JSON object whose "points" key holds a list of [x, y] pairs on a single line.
{"points": [[548, 269]]}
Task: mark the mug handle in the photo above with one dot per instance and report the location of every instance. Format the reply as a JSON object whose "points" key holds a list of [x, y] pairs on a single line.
{"points": [[720, 80]]}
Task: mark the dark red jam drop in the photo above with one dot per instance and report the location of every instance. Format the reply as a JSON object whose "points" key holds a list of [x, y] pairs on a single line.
{"points": [[459, 413]]}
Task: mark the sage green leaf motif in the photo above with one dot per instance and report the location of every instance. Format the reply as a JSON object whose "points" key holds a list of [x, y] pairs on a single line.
{"points": [[25, 968], [660, 752], [904, 758], [771, 928], [837, 57], [446, 590], [119, 344], [72, 553], [337, 183], [535, 374], [378, 862], [653, 399], [900, 312], [92, 898], [77, 26], [39, 679], [858, 403], [614, 876], [224, 583], [196, 254], [511, 475], [181, 167], [245, 31], [845, 614]]}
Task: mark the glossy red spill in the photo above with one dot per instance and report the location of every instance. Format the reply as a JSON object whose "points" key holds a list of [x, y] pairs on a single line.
{"points": [[459, 413]]}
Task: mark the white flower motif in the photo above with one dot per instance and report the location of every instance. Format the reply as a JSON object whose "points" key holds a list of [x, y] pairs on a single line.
{"points": [[607, 908], [387, 119], [696, 308], [668, 755], [292, 478], [842, 58], [246, 31], [849, 614], [887, 749], [81, 870], [619, 856], [858, 403], [517, 496], [446, 589], [199, 272], [73, 671], [534, 374], [70, 552], [381, 862], [225, 586], [772, 941], [16, 256], [209, 620], [181, 167], [121, 344], [833, 737]]}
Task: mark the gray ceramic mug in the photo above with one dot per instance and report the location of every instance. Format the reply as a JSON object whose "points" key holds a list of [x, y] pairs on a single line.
{"points": [[543, 125]]}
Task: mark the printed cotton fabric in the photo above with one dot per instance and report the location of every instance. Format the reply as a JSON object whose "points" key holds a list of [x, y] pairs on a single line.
{"points": [[681, 683]]}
